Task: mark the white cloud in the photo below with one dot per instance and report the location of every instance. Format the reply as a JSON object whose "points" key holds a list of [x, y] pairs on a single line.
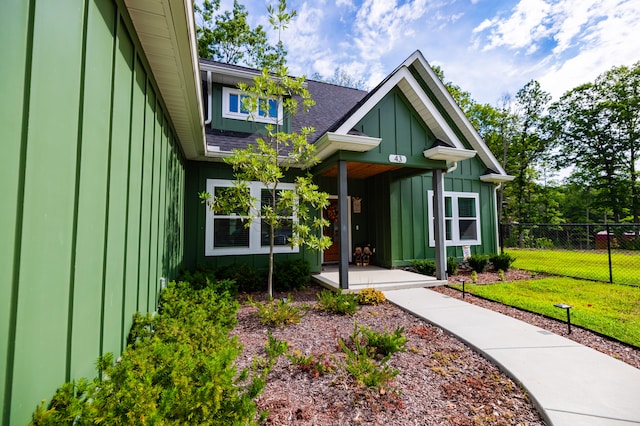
{"points": [[524, 27]]}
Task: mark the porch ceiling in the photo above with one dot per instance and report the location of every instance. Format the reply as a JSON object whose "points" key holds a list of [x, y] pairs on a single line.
{"points": [[357, 170]]}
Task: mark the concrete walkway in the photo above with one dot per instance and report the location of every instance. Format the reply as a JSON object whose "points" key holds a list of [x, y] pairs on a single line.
{"points": [[361, 277], [569, 383]]}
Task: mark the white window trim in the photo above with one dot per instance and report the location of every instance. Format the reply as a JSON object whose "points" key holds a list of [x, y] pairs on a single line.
{"points": [[255, 241], [227, 113], [455, 228]]}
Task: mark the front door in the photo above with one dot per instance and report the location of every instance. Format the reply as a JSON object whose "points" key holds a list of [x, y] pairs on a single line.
{"points": [[332, 254]]}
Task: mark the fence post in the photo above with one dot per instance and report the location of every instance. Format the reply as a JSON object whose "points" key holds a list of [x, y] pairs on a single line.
{"points": [[609, 253]]}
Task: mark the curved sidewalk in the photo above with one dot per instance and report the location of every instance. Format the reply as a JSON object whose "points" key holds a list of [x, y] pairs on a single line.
{"points": [[569, 383]]}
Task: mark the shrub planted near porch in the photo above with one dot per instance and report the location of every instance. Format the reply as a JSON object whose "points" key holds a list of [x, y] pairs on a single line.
{"points": [[337, 302], [501, 261], [178, 369], [478, 262], [291, 274], [424, 266]]}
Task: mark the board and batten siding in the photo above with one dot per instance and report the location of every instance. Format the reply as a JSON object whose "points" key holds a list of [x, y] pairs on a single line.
{"points": [[410, 213], [92, 182]]}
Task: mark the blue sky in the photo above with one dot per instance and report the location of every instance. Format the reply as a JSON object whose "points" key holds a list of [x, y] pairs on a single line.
{"points": [[487, 47]]}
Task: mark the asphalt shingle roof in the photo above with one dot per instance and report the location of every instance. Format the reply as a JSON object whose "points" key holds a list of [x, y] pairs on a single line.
{"points": [[333, 102]]}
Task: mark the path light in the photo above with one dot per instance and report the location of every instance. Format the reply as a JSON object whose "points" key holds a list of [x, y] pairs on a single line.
{"points": [[567, 307], [462, 281]]}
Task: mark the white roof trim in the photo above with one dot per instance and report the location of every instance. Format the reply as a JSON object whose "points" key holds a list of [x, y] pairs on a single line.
{"points": [[167, 33], [450, 105], [403, 78], [448, 154], [331, 142], [496, 178]]}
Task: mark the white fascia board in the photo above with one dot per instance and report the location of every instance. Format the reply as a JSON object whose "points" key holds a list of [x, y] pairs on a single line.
{"points": [[403, 78], [232, 76], [432, 80], [496, 178], [450, 155], [332, 142]]}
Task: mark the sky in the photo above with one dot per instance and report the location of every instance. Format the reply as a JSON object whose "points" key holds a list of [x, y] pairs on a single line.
{"points": [[487, 47]]}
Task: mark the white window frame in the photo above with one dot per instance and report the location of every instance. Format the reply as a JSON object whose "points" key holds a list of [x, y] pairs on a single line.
{"points": [[255, 229], [455, 219], [227, 113]]}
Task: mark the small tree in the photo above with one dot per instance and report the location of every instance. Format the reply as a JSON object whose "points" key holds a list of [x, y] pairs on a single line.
{"points": [[272, 156]]}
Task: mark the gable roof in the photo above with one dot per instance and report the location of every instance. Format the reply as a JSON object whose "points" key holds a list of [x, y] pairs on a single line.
{"points": [[339, 109]]}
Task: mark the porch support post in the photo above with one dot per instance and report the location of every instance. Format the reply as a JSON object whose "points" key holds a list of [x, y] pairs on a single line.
{"points": [[439, 225], [343, 221]]}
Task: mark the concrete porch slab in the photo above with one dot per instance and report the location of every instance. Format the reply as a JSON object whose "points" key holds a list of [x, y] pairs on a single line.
{"points": [[361, 277]]}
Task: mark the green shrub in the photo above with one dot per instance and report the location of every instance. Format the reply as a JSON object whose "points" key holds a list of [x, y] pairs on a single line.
{"points": [[337, 302], [315, 365], [385, 344], [452, 265], [246, 277], [502, 261], [478, 262], [279, 312], [291, 274], [206, 277], [424, 266], [371, 296], [361, 362], [178, 369]]}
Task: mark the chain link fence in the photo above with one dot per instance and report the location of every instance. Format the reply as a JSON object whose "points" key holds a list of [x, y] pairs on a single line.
{"points": [[601, 252]]}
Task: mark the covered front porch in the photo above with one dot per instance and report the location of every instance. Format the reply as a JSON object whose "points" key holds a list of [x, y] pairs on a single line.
{"points": [[361, 277]]}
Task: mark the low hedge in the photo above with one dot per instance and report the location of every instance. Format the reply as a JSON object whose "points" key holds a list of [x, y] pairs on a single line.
{"points": [[178, 368]]}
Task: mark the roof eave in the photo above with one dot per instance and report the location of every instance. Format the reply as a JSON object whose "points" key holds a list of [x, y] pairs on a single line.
{"points": [[331, 142], [166, 29]]}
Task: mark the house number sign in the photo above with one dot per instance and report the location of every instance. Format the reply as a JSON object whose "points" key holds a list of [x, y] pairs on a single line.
{"points": [[395, 158]]}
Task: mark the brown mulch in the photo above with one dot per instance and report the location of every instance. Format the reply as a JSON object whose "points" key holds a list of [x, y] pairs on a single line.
{"points": [[441, 381]]}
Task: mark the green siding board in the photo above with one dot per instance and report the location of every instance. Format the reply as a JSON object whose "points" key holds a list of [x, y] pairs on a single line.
{"points": [[15, 42], [155, 203], [162, 192], [91, 202], [117, 193], [132, 232], [144, 304], [74, 173], [49, 186]]}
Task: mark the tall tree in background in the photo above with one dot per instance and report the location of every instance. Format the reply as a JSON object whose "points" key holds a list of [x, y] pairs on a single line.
{"points": [[227, 37], [341, 78], [596, 128], [529, 145]]}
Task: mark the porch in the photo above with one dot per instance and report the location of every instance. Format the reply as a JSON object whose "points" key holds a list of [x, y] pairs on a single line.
{"points": [[361, 277]]}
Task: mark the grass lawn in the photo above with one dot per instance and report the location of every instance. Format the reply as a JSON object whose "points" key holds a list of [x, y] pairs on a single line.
{"points": [[609, 309], [580, 264]]}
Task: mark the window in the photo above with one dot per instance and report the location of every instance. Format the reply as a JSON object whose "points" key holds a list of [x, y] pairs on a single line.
{"points": [[228, 235], [269, 111], [462, 218]]}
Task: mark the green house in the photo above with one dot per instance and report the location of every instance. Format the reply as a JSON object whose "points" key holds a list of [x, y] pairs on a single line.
{"points": [[111, 126], [391, 158]]}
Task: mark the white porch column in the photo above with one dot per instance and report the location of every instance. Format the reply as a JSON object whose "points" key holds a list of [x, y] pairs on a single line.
{"points": [[343, 221], [439, 224]]}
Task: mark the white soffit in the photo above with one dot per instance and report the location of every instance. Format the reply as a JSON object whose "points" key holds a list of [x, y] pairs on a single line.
{"points": [[454, 111], [166, 30], [403, 78]]}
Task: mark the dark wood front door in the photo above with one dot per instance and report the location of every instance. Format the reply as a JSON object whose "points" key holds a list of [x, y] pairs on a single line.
{"points": [[332, 254]]}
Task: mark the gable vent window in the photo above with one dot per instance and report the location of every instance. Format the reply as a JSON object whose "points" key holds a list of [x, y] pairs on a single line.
{"points": [[269, 111], [461, 218]]}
